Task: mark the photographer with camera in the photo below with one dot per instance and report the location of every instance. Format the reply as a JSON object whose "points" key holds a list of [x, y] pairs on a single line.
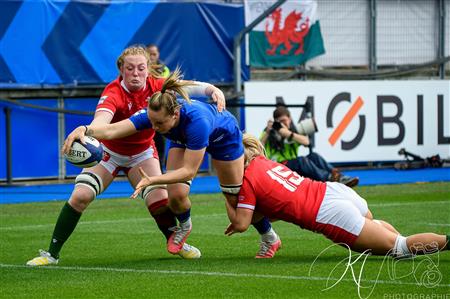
{"points": [[282, 141]]}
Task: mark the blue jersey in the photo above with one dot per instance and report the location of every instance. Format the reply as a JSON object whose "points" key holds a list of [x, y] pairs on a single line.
{"points": [[201, 126]]}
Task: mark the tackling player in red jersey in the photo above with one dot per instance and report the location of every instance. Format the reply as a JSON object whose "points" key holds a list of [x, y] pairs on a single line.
{"points": [[121, 99], [330, 208]]}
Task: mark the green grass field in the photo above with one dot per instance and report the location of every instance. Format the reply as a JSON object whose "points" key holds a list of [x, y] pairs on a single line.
{"points": [[118, 252]]}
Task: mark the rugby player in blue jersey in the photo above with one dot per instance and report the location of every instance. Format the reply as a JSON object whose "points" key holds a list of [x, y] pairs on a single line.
{"points": [[193, 128]]}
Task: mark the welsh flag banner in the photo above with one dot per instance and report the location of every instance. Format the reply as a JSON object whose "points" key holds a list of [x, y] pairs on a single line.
{"points": [[289, 36]]}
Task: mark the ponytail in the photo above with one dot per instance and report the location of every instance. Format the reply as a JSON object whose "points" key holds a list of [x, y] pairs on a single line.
{"points": [[167, 97]]}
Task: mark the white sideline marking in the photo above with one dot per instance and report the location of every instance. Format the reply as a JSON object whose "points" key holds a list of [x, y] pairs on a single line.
{"points": [[399, 204], [438, 224], [206, 273]]}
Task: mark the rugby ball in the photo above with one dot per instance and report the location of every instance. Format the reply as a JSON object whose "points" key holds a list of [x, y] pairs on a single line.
{"points": [[85, 155]]}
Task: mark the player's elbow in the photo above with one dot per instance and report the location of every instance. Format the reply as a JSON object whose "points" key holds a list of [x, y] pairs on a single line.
{"points": [[240, 227]]}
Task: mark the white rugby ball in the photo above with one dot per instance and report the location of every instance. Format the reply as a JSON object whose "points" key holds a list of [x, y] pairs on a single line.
{"points": [[85, 155]]}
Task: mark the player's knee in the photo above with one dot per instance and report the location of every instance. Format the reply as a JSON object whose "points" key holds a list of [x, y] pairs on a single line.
{"points": [[81, 198], [177, 198], [179, 192], [179, 202], [87, 186]]}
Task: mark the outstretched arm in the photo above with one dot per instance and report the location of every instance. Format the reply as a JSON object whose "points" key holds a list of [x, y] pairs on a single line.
{"points": [[100, 131], [192, 160]]}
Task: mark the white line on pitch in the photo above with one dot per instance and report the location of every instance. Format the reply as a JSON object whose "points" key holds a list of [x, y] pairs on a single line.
{"points": [[438, 224], [207, 273], [399, 204]]}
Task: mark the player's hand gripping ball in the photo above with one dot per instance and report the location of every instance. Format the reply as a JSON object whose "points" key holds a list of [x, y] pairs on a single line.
{"points": [[85, 155]]}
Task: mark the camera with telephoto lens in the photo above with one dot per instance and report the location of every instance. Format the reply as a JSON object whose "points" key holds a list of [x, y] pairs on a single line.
{"points": [[307, 126]]}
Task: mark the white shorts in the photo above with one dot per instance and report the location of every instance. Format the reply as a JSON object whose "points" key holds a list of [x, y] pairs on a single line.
{"points": [[114, 162], [341, 215]]}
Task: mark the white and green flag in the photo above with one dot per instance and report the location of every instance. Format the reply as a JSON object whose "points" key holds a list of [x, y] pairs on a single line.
{"points": [[289, 36]]}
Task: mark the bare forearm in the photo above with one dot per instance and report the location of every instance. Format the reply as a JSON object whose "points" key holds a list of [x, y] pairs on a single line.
{"points": [[302, 139], [180, 175], [240, 218], [292, 136], [99, 131], [231, 212], [97, 128], [111, 131], [209, 90], [199, 89]]}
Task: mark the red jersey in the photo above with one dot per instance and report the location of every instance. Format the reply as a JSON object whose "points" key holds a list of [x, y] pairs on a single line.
{"points": [[280, 193], [117, 100]]}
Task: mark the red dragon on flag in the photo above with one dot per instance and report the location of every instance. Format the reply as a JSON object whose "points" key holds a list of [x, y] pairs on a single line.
{"points": [[293, 31], [289, 36]]}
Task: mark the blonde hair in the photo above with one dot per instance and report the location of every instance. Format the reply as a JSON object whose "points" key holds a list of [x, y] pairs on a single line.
{"points": [[137, 50], [167, 97], [252, 148]]}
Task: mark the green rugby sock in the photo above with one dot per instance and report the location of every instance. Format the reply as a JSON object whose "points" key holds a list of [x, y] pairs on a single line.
{"points": [[65, 225]]}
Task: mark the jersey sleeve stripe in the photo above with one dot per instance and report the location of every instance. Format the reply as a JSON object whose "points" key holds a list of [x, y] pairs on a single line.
{"points": [[245, 206], [105, 109]]}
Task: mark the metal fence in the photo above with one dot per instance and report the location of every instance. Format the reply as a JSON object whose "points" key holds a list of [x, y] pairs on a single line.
{"points": [[404, 31], [374, 35]]}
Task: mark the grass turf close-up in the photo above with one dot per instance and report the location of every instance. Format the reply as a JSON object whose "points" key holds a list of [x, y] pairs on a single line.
{"points": [[117, 251]]}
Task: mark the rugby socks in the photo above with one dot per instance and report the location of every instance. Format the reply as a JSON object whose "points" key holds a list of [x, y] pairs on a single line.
{"points": [[164, 217], [269, 237], [264, 228], [263, 225], [184, 219], [65, 225]]}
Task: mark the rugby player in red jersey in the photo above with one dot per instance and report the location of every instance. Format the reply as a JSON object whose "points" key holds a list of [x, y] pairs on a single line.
{"points": [[120, 100], [329, 208]]}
